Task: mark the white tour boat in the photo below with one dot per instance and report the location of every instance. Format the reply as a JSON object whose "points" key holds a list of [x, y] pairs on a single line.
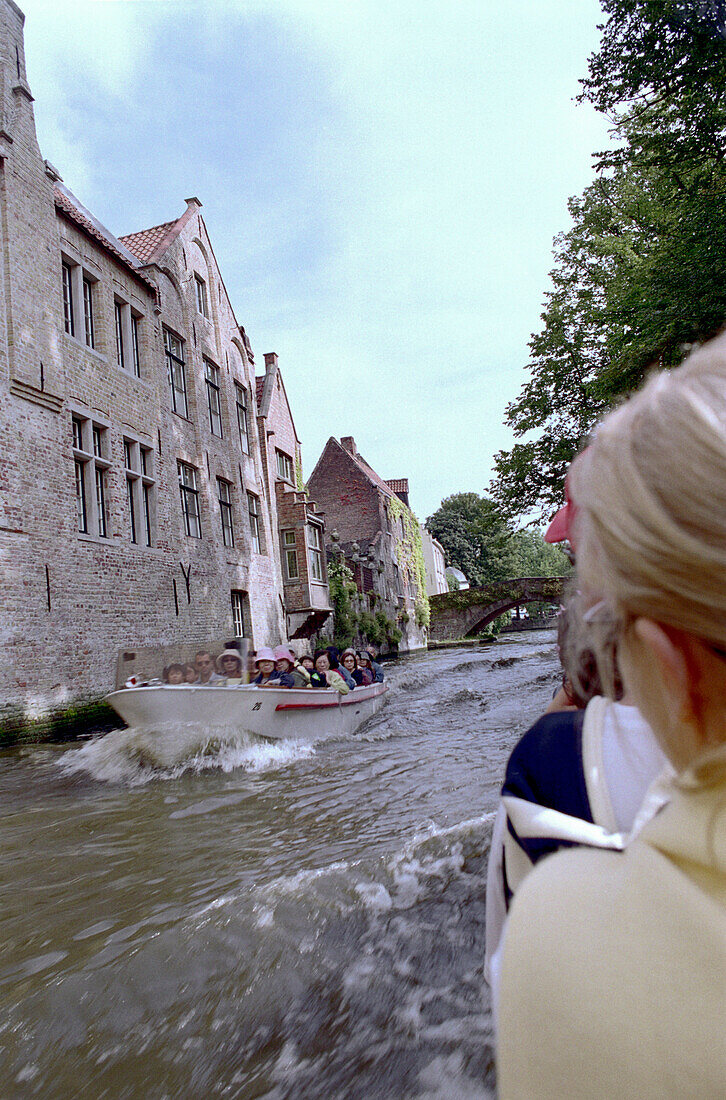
{"points": [[277, 713]]}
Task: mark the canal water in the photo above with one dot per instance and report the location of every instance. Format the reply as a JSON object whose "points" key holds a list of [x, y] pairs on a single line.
{"points": [[282, 921]]}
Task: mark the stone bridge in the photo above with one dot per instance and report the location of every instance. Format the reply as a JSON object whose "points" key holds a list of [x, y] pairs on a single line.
{"points": [[465, 614]]}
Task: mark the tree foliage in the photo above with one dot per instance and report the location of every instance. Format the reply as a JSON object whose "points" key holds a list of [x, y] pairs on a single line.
{"points": [[641, 275], [479, 541]]}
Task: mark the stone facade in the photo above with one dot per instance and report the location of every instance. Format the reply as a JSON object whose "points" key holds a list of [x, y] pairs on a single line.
{"points": [[133, 511], [366, 521], [435, 562], [300, 529]]}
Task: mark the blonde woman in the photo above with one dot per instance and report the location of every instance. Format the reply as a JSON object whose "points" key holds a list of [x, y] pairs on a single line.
{"points": [[614, 966]]}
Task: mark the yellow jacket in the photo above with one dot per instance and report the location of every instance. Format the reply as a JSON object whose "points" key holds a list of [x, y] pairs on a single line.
{"points": [[614, 971]]}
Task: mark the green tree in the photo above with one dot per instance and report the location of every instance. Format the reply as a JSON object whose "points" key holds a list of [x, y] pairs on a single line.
{"points": [[474, 536], [537, 558], [641, 275]]}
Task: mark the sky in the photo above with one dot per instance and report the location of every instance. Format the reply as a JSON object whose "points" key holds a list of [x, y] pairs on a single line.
{"points": [[382, 181]]}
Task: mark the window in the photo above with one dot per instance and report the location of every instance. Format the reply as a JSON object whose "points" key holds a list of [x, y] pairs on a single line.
{"points": [[211, 376], [88, 311], [190, 500], [284, 466], [126, 326], [140, 492], [174, 348], [68, 299], [289, 554], [224, 494], [241, 398], [202, 303], [315, 544], [240, 614], [90, 457], [253, 507], [118, 313]]}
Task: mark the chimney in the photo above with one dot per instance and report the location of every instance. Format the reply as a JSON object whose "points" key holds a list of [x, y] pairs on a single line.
{"points": [[270, 361], [348, 443]]}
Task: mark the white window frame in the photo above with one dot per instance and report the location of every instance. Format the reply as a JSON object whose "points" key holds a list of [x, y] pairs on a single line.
{"points": [[240, 613], [314, 535], [91, 450], [88, 321], [226, 514], [140, 491], [253, 511], [289, 554], [285, 466], [201, 295], [79, 321], [212, 379], [176, 371], [189, 494], [126, 336], [243, 422]]}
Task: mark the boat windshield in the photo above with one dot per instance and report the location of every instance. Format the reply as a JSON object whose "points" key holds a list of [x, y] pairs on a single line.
{"points": [[222, 660]]}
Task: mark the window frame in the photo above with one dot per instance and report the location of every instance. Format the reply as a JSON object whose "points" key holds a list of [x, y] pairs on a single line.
{"points": [[243, 423], [240, 613], [67, 277], [285, 466], [139, 470], [190, 493], [172, 361], [253, 512], [226, 512], [289, 554], [90, 445], [212, 379], [202, 297], [88, 323], [314, 538]]}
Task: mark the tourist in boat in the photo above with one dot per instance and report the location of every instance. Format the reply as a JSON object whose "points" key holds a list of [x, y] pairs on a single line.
{"points": [[284, 664], [229, 666], [267, 675], [335, 665], [366, 667], [377, 669], [204, 664], [614, 967], [349, 661], [304, 666], [323, 676], [174, 674], [190, 674]]}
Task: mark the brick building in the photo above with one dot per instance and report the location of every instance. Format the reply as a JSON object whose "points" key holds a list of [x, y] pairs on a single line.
{"points": [[300, 529], [136, 505], [435, 562], [370, 521]]}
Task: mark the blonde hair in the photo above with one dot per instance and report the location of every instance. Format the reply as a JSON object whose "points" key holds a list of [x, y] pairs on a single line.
{"points": [[651, 498]]}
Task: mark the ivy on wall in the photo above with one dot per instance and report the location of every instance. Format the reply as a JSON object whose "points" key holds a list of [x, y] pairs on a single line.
{"points": [[300, 484], [410, 556], [343, 591]]}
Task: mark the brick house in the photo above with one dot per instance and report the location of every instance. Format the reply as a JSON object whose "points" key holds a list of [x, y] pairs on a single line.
{"points": [[369, 520], [299, 544], [135, 506]]}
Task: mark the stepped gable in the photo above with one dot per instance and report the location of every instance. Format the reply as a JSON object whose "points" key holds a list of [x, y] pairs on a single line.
{"points": [[76, 212], [146, 242], [259, 388]]}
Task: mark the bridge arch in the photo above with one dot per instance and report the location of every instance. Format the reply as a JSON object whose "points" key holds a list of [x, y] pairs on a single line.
{"points": [[465, 614]]}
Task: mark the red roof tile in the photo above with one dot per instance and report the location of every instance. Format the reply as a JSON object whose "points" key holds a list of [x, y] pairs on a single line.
{"points": [[259, 389], [397, 484], [69, 208], [145, 243]]}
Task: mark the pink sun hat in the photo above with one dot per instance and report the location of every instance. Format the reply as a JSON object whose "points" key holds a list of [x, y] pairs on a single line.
{"points": [[264, 653], [282, 653]]}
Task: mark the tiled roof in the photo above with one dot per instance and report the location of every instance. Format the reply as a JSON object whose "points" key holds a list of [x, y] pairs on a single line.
{"points": [[398, 484], [259, 389], [77, 213], [368, 471], [145, 243]]}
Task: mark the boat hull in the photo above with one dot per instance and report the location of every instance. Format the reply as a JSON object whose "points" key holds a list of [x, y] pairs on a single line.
{"points": [[276, 713]]}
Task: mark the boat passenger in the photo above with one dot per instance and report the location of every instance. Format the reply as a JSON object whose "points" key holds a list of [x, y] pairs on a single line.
{"points": [[335, 665], [284, 662], [190, 674], [324, 676], [304, 666], [204, 664], [229, 665], [365, 668], [267, 675], [174, 674], [377, 669], [614, 967]]}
